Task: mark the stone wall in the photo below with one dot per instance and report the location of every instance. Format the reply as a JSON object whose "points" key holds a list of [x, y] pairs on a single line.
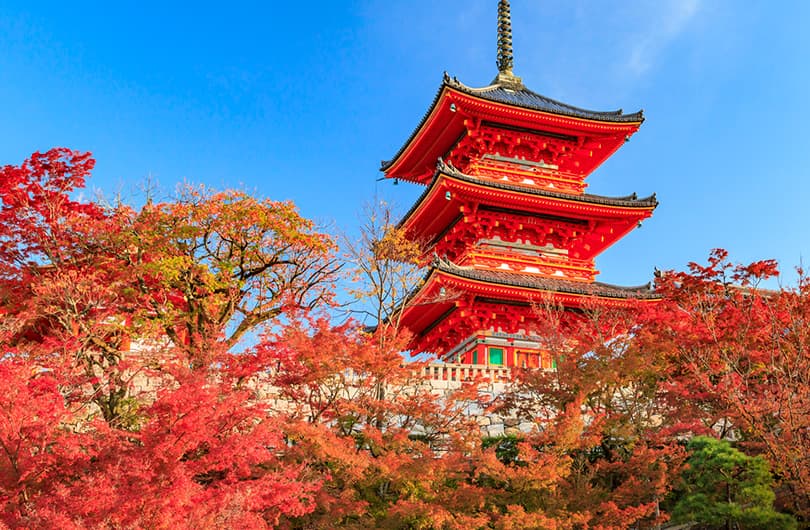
{"points": [[441, 379]]}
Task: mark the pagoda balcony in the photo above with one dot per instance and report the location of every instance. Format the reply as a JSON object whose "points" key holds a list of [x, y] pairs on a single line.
{"points": [[461, 372], [526, 173], [466, 373], [550, 266]]}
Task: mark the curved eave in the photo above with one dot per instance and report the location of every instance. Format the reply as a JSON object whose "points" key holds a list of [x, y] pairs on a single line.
{"points": [[424, 308], [487, 191], [385, 165], [421, 307], [526, 286], [440, 127], [630, 201]]}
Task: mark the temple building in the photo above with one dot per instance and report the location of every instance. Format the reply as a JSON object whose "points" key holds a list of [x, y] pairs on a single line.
{"points": [[505, 221]]}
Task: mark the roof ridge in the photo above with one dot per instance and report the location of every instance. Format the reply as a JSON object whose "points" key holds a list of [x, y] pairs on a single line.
{"points": [[495, 85], [649, 286]]}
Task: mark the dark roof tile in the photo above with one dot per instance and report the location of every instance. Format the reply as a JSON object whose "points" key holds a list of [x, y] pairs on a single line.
{"points": [[525, 98], [533, 281], [629, 201]]}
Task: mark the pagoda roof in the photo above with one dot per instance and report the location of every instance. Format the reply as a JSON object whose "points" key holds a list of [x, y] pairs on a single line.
{"points": [[429, 305], [442, 203], [518, 97], [442, 169], [542, 283]]}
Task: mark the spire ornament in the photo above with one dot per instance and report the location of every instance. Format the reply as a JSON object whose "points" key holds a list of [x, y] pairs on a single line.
{"points": [[505, 60]]}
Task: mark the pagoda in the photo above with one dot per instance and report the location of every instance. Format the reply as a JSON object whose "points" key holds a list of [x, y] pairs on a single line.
{"points": [[504, 220]]}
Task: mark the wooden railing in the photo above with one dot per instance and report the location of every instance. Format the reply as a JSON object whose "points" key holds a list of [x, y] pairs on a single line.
{"points": [[466, 372]]}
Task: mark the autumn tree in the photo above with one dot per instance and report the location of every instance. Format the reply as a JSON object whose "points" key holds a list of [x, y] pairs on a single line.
{"points": [[216, 265], [737, 362], [78, 282], [63, 288], [329, 376], [36, 449], [294, 432], [383, 269], [619, 463]]}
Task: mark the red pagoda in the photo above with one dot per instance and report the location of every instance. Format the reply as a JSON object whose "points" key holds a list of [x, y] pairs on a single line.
{"points": [[505, 220]]}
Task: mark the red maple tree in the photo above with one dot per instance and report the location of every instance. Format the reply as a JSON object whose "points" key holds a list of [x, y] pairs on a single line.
{"points": [[738, 363]]}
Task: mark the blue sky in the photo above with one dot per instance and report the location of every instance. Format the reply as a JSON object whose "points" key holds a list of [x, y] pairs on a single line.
{"points": [[301, 100]]}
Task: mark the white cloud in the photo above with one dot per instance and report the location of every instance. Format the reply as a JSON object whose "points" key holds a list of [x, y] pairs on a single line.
{"points": [[668, 21]]}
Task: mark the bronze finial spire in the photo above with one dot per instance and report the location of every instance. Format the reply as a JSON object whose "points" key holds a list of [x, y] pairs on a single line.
{"points": [[505, 59]]}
